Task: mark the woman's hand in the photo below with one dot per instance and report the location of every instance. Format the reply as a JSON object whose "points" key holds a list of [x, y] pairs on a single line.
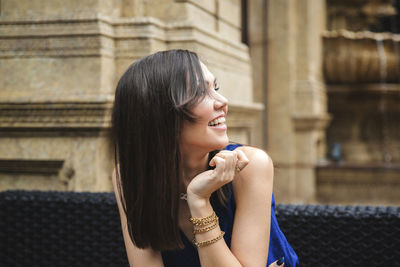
{"points": [[226, 163]]}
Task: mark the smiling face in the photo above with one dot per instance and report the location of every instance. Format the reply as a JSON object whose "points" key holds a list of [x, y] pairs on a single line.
{"points": [[209, 131]]}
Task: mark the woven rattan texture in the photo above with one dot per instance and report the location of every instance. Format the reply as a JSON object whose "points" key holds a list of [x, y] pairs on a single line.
{"points": [[83, 229], [60, 229], [342, 235]]}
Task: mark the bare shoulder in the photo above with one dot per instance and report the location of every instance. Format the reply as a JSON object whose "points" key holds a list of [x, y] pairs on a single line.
{"points": [[259, 160], [252, 186], [256, 178]]}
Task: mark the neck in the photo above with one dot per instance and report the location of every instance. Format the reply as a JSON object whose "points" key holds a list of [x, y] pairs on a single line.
{"points": [[193, 163]]}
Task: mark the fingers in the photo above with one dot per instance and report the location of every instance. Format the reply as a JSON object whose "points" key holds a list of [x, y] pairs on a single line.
{"points": [[236, 159], [219, 164], [242, 159], [228, 156], [225, 162]]}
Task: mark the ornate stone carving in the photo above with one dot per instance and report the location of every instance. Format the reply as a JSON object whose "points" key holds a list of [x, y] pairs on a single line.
{"points": [[55, 115], [357, 15], [361, 57]]}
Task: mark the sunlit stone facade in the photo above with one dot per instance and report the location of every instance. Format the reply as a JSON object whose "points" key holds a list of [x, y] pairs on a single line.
{"points": [[60, 61]]}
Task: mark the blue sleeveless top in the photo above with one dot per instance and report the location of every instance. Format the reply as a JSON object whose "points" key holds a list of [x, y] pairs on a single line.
{"points": [[278, 245]]}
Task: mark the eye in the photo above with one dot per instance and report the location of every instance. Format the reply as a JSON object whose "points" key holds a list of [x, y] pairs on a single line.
{"points": [[216, 87]]}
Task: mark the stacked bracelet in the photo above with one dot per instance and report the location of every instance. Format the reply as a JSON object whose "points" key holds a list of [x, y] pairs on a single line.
{"points": [[205, 224], [205, 220], [198, 230], [208, 242]]}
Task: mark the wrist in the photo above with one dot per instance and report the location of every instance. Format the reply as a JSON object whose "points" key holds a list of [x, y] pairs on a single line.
{"points": [[199, 207]]}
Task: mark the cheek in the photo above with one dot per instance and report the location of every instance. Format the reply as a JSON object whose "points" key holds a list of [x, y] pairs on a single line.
{"points": [[191, 129], [195, 131], [204, 111], [196, 128]]}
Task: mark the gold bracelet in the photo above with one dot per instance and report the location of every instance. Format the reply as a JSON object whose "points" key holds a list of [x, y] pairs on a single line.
{"points": [[206, 229], [205, 220], [208, 242]]}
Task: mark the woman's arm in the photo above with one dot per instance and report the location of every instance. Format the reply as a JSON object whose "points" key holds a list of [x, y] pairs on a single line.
{"points": [[253, 192], [137, 257]]}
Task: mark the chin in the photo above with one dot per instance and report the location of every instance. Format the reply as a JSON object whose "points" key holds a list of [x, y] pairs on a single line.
{"points": [[221, 145]]}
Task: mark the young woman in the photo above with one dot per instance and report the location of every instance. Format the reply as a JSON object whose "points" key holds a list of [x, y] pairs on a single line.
{"points": [[185, 196]]}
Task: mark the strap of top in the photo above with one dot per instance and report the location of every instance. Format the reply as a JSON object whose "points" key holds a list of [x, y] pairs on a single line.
{"points": [[232, 147]]}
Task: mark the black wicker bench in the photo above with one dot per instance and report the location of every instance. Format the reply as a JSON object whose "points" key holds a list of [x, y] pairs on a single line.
{"points": [[83, 229]]}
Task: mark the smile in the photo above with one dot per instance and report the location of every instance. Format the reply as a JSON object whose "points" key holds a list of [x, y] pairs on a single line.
{"points": [[217, 122]]}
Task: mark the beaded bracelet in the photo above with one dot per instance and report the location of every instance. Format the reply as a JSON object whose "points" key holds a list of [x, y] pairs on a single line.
{"points": [[208, 242], [205, 220]]}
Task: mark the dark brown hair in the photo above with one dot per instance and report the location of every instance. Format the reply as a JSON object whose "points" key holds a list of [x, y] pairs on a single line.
{"points": [[153, 98]]}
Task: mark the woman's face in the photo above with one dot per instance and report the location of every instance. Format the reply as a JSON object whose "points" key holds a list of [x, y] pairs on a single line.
{"points": [[209, 132]]}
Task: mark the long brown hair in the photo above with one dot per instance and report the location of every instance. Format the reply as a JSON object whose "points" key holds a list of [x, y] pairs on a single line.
{"points": [[152, 99]]}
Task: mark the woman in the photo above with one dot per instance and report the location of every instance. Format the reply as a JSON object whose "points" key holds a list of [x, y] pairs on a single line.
{"points": [[177, 178]]}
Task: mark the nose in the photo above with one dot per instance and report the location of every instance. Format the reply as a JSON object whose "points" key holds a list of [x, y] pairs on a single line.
{"points": [[220, 102]]}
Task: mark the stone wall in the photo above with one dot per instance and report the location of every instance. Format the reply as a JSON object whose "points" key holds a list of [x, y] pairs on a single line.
{"points": [[61, 61]]}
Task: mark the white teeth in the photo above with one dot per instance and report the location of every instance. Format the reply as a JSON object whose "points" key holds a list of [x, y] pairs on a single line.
{"points": [[217, 121]]}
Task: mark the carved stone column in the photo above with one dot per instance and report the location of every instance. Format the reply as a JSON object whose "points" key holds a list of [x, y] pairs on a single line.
{"points": [[296, 107]]}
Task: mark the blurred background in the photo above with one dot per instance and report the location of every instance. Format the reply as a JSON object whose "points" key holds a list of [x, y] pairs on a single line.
{"points": [[315, 83]]}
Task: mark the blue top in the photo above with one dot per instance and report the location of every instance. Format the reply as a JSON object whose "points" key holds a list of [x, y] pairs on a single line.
{"points": [[278, 245]]}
